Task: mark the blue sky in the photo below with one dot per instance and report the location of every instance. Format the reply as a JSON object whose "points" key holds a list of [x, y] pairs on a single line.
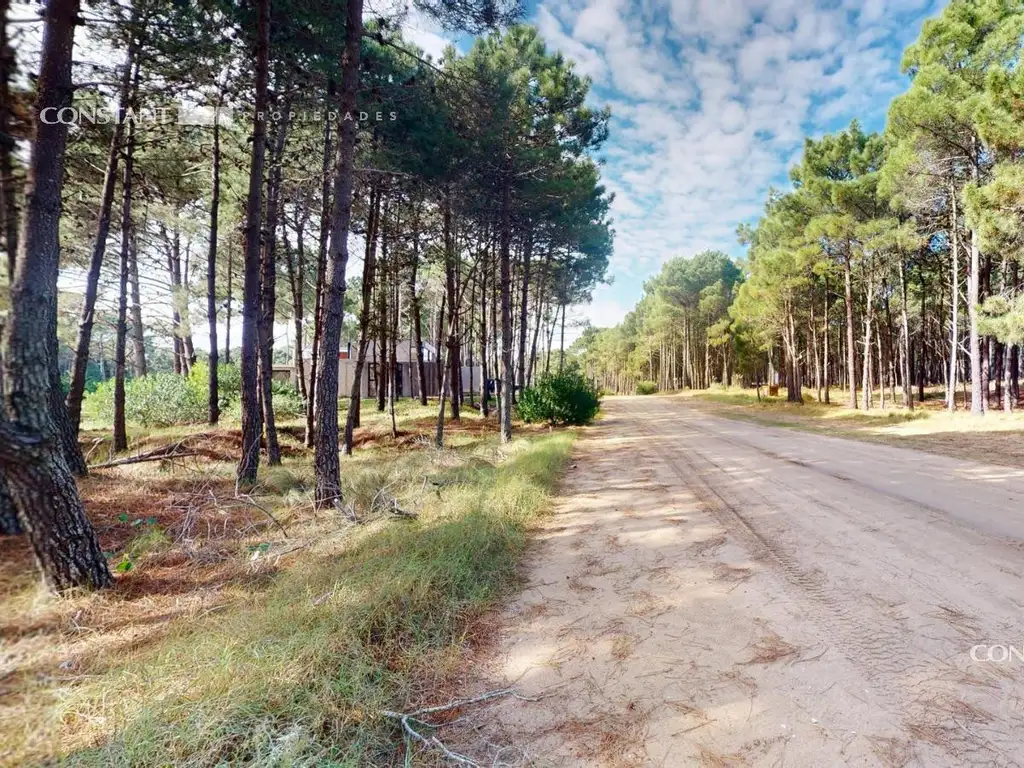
{"points": [[711, 101]]}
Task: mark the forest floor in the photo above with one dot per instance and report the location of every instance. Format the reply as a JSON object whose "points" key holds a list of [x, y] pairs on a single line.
{"points": [[253, 630], [715, 592], [995, 438]]}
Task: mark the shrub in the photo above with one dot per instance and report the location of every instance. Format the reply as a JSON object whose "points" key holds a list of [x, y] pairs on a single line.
{"points": [[560, 398], [156, 400], [646, 388], [167, 399], [288, 402]]}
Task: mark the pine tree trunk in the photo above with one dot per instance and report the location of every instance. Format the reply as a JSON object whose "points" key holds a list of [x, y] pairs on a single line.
{"points": [[505, 403], [138, 331], [8, 147], [393, 359], [173, 245], [973, 286], [296, 271], [268, 288], [327, 469], [439, 341], [908, 397], [954, 352], [38, 478], [984, 342], [80, 364], [414, 311], [227, 305], [851, 349], [9, 525], [868, 380], [380, 351], [383, 350], [826, 362], [321, 269], [252, 418], [213, 394], [523, 312], [485, 386], [185, 293], [539, 301], [1015, 349], [452, 342], [120, 427]]}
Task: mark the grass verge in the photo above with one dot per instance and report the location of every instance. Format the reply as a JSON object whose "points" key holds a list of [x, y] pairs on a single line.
{"points": [[295, 665]]}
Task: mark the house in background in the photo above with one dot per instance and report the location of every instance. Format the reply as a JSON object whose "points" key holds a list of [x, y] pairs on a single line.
{"points": [[407, 381]]}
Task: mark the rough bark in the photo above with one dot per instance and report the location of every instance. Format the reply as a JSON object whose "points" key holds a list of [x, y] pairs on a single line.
{"points": [[9, 525], [326, 465], [39, 481], [252, 421]]}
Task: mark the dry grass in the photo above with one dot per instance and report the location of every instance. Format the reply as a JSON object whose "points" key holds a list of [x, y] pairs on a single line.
{"points": [[613, 738], [891, 752], [771, 648], [996, 438], [228, 640], [712, 758]]}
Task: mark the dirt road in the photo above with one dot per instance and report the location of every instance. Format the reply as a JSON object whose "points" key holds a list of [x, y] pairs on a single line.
{"points": [[717, 593]]}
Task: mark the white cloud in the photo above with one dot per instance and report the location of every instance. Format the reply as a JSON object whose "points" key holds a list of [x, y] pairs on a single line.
{"points": [[711, 100]]}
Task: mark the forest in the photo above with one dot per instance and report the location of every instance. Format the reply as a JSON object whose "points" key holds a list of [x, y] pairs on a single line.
{"points": [[890, 270], [273, 281], [248, 150]]}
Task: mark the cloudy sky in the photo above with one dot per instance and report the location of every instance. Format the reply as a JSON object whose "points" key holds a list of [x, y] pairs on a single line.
{"points": [[711, 100]]}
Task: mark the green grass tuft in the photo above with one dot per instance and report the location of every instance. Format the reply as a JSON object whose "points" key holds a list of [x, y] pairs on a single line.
{"points": [[297, 674]]}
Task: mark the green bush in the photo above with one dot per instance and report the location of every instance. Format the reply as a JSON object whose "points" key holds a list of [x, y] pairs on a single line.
{"points": [[646, 388], [167, 399], [156, 400], [560, 398], [288, 402]]}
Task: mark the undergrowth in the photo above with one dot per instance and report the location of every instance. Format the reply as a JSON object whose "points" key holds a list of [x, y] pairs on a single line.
{"points": [[297, 672]]}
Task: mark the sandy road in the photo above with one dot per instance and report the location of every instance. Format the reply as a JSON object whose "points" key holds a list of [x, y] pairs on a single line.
{"points": [[716, 593]]}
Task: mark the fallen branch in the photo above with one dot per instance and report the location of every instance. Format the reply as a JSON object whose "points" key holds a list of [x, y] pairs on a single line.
{"points": [[432, 742], [173, 451], [143, 457]]}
